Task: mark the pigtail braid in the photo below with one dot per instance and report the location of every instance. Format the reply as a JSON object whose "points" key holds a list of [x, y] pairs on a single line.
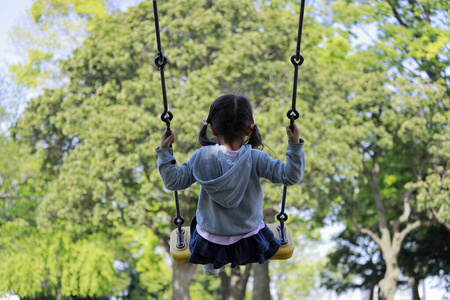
{"points": [[255, 139], [203, 137]]}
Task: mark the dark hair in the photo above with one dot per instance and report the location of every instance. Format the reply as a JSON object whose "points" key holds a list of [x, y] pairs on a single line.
{"points": [[231, 116]]}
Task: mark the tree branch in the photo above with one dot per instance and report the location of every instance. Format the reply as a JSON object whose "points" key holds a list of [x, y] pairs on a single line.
{"points": [[447, 225], [412, 5], [365, 149], [373, 183], [6, 196], [410, 227], [163, 239], [247, 272], [406, 206], [426, 13], [370, 233], [396, 14]]}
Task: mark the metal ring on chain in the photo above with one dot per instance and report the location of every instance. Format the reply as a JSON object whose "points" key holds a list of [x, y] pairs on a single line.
{"points": [[282, 217], [293, 113], [296, 62], [178, 220], [166, 115], [160, 63]]}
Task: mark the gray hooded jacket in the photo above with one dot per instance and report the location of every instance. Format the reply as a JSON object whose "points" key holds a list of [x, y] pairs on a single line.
{"points": [[231, 195]]}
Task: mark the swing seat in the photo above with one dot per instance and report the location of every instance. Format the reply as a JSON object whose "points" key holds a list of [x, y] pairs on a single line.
{"points": [[287, 250], [181, 256]]}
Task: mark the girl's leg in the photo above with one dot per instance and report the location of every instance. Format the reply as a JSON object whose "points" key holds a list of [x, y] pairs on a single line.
{"points": [[209, 269]]}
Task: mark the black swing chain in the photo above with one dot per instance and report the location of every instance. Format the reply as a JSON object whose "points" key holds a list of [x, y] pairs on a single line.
{"points": [[167, 116], [297, 60]]}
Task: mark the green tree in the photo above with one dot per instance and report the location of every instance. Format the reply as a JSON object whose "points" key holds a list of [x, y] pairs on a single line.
{"points": [[49, 32], [389, 165], [355, 263], [388, 122], [45, 263], [50, 263], [299, 277], [412, 36], [151, 269], [36, 262], [19, 191], [425, 254]]}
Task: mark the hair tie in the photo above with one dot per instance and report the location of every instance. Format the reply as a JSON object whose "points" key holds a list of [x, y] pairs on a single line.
{"points": [[205, 122]]}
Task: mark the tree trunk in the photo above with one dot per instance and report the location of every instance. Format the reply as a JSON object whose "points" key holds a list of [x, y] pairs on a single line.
{"points": [[234, 285], [261, 283], [225, 284], [390, 244], [414, 282], [391, 249], [238, 284], [58, 289], [181, 279], [371, 292], [388, 285]]}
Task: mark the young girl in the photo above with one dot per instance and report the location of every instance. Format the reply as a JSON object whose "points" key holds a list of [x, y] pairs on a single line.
{"points": [[229, 225]]}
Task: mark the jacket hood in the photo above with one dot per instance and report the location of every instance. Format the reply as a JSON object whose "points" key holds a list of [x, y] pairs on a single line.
{"points": [[223, 180]]}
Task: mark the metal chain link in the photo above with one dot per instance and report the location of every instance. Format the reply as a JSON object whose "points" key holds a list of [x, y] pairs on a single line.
{"points": [[166, 117], [292, 114]]}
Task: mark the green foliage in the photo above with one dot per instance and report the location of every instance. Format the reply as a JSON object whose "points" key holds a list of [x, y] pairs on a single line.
{"points": [[34, 71], [389, 107], [20, 187], [355, 258], [433, 194], [11, 99], [154, 273], [374, 105], [408, 32], [52, 29], [299, 277], [426, 253], [40, 262], [205, 287]]}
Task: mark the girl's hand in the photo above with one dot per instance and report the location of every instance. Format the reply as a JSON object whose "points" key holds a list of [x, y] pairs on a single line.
{"points": [[167, 141], [294, 136]]}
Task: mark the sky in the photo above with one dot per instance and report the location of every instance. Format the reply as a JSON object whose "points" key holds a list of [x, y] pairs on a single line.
{"points": [[10, 13]]}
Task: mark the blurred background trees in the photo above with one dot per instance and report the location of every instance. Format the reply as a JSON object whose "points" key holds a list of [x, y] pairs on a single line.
{"points": [[84, 213]]}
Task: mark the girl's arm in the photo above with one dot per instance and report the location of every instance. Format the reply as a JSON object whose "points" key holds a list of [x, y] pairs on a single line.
{"points": [[288, 173], [174, 178]]}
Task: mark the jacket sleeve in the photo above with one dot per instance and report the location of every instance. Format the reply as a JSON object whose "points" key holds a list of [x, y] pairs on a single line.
{"points": [[288, 173], [174, 178]]}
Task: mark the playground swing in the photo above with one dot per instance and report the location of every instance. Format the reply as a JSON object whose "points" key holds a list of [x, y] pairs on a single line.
{"points": [[180, 237]]}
